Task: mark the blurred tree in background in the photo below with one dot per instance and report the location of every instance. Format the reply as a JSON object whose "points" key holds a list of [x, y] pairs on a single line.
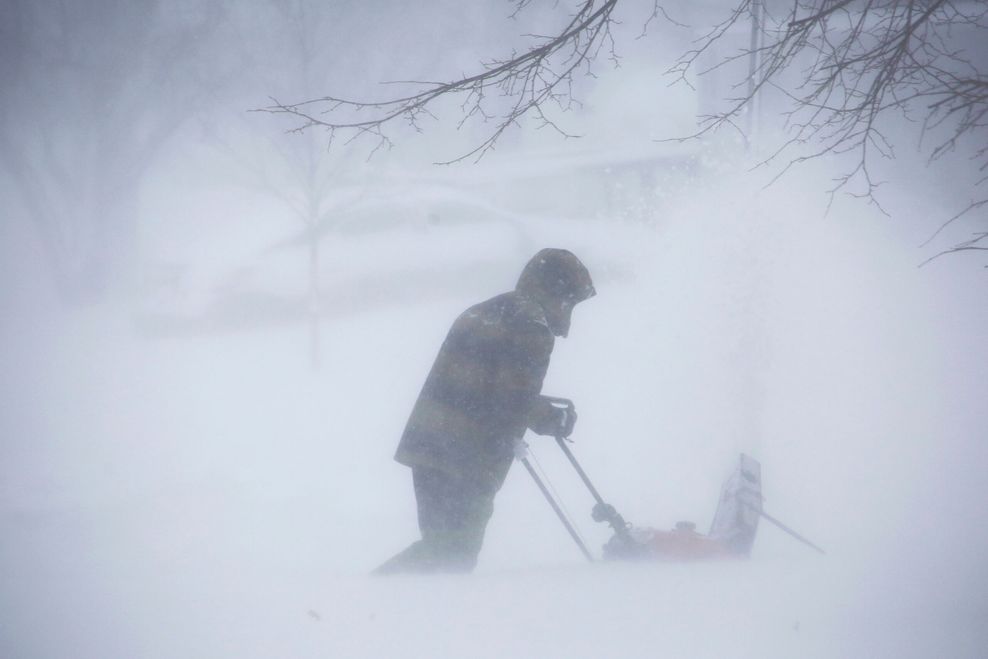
{"points": [[91, 94]]}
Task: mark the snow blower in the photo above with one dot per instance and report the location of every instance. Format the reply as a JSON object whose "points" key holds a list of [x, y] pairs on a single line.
{"points": [[731, 534]]}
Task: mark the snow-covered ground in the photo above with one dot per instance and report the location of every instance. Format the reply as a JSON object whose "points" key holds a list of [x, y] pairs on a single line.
{"points": [[212, 496]]}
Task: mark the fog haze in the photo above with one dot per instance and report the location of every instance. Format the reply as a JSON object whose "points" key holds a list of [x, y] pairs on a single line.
{"points": [[213, 330]]}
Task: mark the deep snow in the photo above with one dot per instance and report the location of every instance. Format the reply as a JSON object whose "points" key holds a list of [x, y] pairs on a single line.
{"points": [[211, 496]]}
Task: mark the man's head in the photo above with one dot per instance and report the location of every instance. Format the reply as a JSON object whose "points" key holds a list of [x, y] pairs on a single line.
{"points": [[558, 281]]}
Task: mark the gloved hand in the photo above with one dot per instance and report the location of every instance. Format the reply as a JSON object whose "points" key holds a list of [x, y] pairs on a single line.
{"points": [[544, 418]]}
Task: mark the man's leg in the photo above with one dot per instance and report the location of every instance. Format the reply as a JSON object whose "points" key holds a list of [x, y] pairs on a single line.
{"points": [[438, 497], [453, 513], [408, 560], [452, 517], [454, 520]]}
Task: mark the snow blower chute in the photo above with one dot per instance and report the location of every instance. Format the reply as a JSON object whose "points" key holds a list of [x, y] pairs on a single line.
{"points": [[731, 534]]}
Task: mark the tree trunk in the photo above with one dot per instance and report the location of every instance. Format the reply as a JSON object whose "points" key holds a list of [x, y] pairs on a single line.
{"points": [[313, 302]]}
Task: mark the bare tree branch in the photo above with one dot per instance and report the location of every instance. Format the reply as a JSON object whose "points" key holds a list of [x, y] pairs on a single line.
{"points": [[503, 93], [860, 65], [966, 246]]}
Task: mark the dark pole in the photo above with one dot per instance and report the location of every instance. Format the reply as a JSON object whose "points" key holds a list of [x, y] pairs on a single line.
{"points": [[579, 470], [603, 512], [753, 56], [788, 530], [559, 512]]}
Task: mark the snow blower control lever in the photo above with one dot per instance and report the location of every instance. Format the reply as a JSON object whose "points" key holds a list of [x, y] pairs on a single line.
{"points": [[602, 511]]}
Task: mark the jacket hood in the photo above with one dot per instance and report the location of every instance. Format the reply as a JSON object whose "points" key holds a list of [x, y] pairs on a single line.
{"points": [[558, 281]]}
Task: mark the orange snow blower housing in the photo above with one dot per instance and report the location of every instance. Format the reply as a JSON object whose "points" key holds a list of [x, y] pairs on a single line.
{"points": [[683, 543], [732, 532]]}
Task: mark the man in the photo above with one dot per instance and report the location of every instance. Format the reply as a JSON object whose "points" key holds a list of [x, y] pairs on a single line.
{"points": [[482, 393]]}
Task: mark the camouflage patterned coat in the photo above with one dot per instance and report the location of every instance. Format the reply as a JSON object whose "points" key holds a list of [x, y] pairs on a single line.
{"points": [[476, 399]]}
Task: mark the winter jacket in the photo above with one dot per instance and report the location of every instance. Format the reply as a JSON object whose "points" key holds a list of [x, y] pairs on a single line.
{"points": [[476, 399]]}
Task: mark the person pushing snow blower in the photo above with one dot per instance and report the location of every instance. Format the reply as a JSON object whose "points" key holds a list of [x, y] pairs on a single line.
{"points": [[482, 393]]}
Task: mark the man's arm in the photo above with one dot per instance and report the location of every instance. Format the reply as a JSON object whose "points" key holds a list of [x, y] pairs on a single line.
{"points": [[522, 367]]}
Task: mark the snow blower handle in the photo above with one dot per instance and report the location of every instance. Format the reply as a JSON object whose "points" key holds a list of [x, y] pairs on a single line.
{"points": [[602, 511], [567, 411]]}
